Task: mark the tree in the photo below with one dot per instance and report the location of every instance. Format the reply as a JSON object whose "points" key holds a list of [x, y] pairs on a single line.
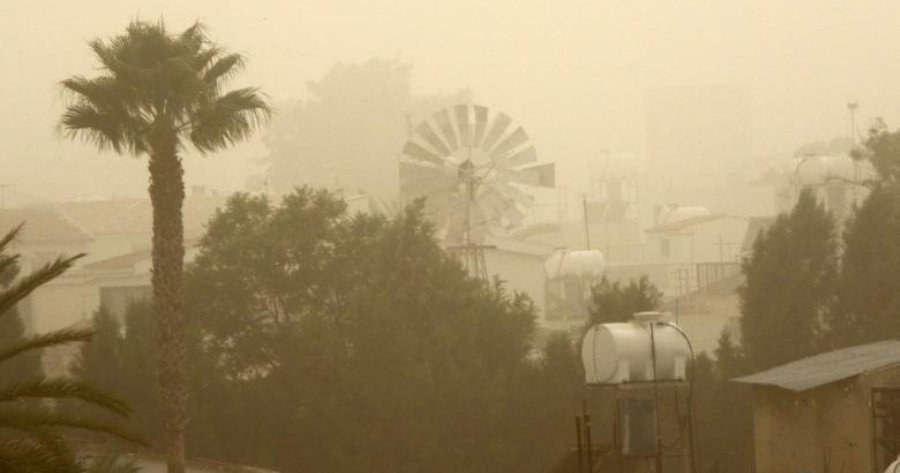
{"points": [[615, 302], [868, 306], [349, 131], [357, 334], [158, 93], [31, 441], [882, 150], [790, 280], [722, 411]]}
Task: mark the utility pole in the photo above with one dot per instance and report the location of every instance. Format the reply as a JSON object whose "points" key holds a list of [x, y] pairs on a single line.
{"points": [[587, 228]]}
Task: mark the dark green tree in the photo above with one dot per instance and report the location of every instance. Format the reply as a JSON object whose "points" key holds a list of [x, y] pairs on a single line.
{"points": [[350, 343], [868, 294], [617, 302], [789, 286], [397, 360], [157, 93], [722, 411]]}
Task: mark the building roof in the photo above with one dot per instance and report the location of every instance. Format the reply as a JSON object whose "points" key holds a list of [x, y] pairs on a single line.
{"points": [[128, 260], [679, 225], [41, 225], [827, 368], [125, 216]]}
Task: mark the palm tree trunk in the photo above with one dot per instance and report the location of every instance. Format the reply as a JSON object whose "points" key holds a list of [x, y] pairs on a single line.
{"points": [[167, 196]]}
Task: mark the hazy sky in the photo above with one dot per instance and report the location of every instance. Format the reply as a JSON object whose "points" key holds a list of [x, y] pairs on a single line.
{"points": [[573, 73]]}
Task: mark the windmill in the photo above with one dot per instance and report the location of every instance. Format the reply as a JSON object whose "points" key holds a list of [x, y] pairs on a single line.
{"points": [[475, 171]]}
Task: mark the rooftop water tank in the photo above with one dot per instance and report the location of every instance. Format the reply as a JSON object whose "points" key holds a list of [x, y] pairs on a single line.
{"points": [[579, 263], [619, 353]]}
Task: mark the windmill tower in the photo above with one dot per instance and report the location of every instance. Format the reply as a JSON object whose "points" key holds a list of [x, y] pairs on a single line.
{"points": [[474, 174]]}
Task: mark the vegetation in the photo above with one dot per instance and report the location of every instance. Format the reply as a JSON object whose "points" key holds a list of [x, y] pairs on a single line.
{"points": [[617, 302], [789, 286], [351, 343], [158, 93], [31, 437]]}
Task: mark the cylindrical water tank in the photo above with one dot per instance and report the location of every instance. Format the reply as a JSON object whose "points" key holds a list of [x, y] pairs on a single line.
{"points": [[577, 263], [617, 353]]}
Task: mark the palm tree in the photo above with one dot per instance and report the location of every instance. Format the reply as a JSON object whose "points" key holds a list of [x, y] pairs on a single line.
{"points": [[30, 439], [157, 94]]}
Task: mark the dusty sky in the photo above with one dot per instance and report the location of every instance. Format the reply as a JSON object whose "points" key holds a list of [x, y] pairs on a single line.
{"points": [[575, 73]]}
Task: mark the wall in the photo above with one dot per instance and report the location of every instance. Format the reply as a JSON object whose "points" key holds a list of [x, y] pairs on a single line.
{"points": [[714, 241]]}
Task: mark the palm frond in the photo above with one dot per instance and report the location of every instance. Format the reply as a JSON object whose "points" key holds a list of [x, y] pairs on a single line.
{"points": [[228, 119], [61, 388], [10, 237], [45, 340], [41, 450], [46, 418], [224, 68], [24, 286]]}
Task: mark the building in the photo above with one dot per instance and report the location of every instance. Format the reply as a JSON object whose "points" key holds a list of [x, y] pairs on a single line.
{"points": [[837, 411]]}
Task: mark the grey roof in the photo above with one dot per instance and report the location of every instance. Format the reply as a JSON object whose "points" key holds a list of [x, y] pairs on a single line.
{"points": [[826, 368]]}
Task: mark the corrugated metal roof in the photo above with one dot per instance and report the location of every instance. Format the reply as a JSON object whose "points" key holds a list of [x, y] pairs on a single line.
{"points": [[829, 367]]}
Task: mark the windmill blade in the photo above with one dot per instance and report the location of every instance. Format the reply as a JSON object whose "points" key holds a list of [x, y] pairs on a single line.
{"points": [[428, 134], [513, 217], [494, 203], [462, 122], [542, 175], [415, 151], [511, 193], [417, 179], [510, 143], [443, 120], [481, 118], [526, 156], [501, 121]]}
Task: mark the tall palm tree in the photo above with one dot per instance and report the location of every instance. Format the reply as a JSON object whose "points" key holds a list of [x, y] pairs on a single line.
{"points": [[30, 440], [157, 94]]}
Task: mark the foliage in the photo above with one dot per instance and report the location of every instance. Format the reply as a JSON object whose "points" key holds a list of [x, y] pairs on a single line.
{"points": [[790, 280], [354, 343], [615, 302], [722, 411], [348, 133], [868, 293], [157, 87], [882, 150], [31, 440]]}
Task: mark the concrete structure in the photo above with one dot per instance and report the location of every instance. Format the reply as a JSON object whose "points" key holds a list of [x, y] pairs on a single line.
{"points": [[837, 411]]}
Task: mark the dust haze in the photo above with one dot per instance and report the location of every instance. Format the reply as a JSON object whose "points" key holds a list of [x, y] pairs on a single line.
{"points": [[578, 76]]}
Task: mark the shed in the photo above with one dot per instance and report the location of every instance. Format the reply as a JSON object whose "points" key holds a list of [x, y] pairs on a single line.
{"points": [[836, 411]]}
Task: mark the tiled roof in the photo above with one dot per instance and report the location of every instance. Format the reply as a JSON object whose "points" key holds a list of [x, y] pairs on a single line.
{"points": [[41, 225], [829, 367]]}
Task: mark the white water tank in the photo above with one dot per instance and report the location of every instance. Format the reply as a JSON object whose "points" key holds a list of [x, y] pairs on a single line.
{"points": [[578, 263], [618, 353]]}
